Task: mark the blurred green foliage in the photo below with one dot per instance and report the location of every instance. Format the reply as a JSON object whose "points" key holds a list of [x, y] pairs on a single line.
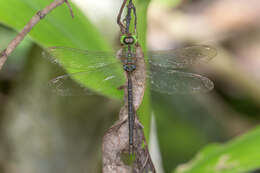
{"points": [[183, 126], [239, 155], [169, 3]]}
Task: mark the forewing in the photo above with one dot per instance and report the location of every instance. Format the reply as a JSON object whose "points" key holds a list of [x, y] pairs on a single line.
{"points": [[77, 60], [182, 57], [104, 80], [178, 82]]}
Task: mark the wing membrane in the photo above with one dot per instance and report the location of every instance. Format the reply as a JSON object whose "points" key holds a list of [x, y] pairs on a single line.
{"points": [[182, 57], [101, 72], [76, 60], [174, 82], [104, 80]]}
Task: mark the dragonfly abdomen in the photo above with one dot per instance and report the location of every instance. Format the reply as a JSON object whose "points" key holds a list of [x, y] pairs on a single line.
{"points": [[130, 112]]}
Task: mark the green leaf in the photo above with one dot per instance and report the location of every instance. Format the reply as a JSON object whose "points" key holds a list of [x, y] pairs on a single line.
{"points": [[241, 154], [59, 29], [16, 60]]}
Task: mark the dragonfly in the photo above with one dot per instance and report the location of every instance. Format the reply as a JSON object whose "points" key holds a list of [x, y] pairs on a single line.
{"points": [[100, 70], [165, 74]]}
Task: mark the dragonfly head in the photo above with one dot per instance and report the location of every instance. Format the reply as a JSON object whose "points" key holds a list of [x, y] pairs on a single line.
{"points": [[128, 39]]}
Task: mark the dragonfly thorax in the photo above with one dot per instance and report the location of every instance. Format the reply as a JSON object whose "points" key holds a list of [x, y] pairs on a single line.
{"points": [[129, 67], [128, 59]]}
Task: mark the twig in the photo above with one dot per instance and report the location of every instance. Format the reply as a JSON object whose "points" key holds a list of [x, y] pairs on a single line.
{"points": [[121, 25], [35, 19]]}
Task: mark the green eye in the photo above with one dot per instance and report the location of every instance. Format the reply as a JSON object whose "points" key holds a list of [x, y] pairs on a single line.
{"points": [[122, 38]]}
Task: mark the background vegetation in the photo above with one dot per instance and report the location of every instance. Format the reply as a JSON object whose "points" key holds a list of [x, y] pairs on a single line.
{"points": [[214, 132]]}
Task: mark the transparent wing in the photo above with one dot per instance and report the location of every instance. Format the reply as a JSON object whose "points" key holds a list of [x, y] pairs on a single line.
{"points": [[76, 60], [101, 70], [104, 80], [182, 57], [174, 82]]}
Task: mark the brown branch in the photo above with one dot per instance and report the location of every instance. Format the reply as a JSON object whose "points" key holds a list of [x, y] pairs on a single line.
{"points": [[121, 25], [35, 19]]}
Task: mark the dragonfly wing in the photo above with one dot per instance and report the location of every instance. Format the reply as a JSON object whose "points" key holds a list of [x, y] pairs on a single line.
{"points": [[182, 57], [76, 60], [103, 80], [174, 82]]}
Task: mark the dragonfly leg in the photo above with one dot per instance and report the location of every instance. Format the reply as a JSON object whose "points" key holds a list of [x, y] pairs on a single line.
{"points": [[138, 123]]}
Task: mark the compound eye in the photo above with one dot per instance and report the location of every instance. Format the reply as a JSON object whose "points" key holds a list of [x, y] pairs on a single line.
{"points": [[129, 40]]}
